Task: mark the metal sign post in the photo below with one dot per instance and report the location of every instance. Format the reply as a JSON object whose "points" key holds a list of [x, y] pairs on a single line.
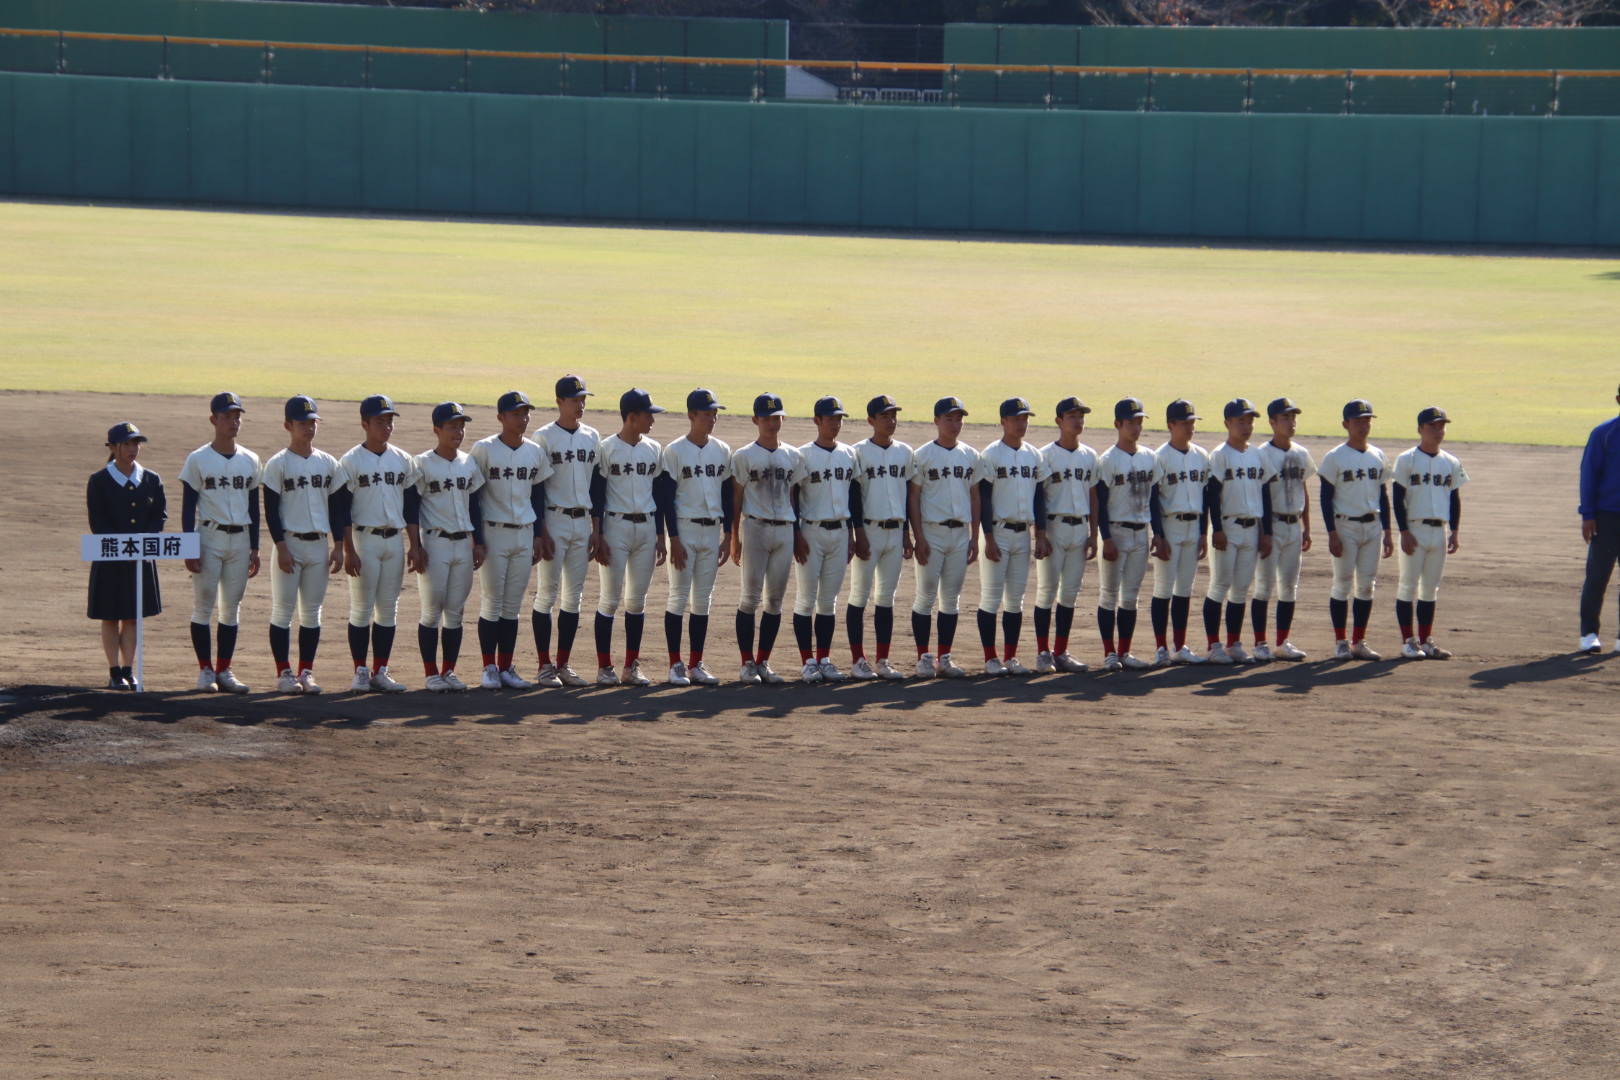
{"points": [[137, 548]]}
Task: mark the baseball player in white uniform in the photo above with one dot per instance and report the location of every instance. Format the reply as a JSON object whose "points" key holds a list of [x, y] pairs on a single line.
{"points": [[378, 502], [944, 511], [1292, 468], [1012, 513], [512, 506], [1428, 497], [1355, 509], [1238, 495], [568, 544], [298, 485], [826, 509], [695, 487], [882, 538], [221, 496], [1070, 469], [1180, 524], [447, 487], [631, 533], [1124, 519], [764, 473]]}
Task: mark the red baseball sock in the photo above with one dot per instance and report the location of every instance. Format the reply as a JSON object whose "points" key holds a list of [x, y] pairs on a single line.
{"points": [[1060, 646], [1009, 652], [604, 659], [429, 668], [1108, 646], [1159, 640], [502, 660], [545, 657], [989, 652], [489, 660], [1124, 646]]}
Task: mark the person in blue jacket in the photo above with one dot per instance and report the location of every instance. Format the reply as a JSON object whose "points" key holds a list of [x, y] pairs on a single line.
{"points": [[1600, 524], [123, 497]]}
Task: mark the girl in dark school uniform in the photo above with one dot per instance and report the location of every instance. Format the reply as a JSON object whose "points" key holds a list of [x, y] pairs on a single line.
{"points": [[124, 497]]}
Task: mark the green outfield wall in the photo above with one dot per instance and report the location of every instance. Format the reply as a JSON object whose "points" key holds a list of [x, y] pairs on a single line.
{"points": [[1357, 178]]}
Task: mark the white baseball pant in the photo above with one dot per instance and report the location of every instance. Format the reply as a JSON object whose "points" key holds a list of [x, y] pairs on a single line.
{"points": [[693, 587], [1363, 544], [222, 576], [767, 560], [1002, 584], [1231, 572], [304, 589], [448, 579], [818, 579], [504, 578], [1174, 576], [568, 566], [888, 552], [632, 553], [1121, 580], [374, 595], [1279, 571], [1058, 576], [1421, 570], [941, 580]]}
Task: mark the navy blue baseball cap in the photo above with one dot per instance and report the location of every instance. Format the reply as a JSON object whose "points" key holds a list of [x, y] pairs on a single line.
{"points": [[377, 405], [1357, 409], [1434, 414], [829, 406], [701, 400], [1281, 406], [225, 402], [513, 400], [122, 433], [1130, 409], [572, 386], [446, 411], [1240, 407], [301, 407], [949, 405], [1180, 409], [1072, 404], [768, 405], [633, 400], [881, 404], [1016, 406]]}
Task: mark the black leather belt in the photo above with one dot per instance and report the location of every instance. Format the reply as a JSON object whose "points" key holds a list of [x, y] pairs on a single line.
{"points": [[505, 525], [831, 523], [384, 533], [1184, 517], [1287, 519], [568, 511], [634, 519], [232, 529], [307, 536], [1013, 526], [704, 521], [1363, 519], [768, 521], [1070, 519], [451, 535], [1131, 524], [951, 524], [892, 523], [1430, 521], [1246, 522]]}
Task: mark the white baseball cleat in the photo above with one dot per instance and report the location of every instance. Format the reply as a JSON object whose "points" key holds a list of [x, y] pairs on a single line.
{"points": [[548, 677], [435, 684], [993, 666], [830, 672], [1014, 667], [1589, 643], [205, 679], [1341, 650], [229, 683], [1289, 651], [306, 680], [768, 674], [1263, 654], [1363, 651], [1218, 654], [1134, 662], [1411, 649], [383, 682], [678, 675], [1111, 662], [861, 670], [811, 672], [1065, 662], [1185, 655], [1238, 654], [701, 675], [750, 673], [607, 676], [1044, 664], [570, 677], [513, 681], [950, 669], [925, 666], [362, 680], [491, 679], [1161, 658], [633, 675], [886, 670], [453, 683], [287, 683], [1435, 652]]}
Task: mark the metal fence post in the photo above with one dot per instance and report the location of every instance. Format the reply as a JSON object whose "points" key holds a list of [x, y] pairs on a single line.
{"points": [[368, 68], [759, 82], [1349, 86], [1557, 86], [855, 81], [953, 85], [562, 75], [466, 69], [1148, 105], [1248, 92], [1051, 87], [662, 89], [61, 52], [264, 76], [1451, 92]]}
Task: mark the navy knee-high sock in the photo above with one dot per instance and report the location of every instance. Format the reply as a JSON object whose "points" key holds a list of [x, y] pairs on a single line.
{"points": [[769, 624], [451, 639], [947, 632], [1285, 619], [359, 643], [309, 640], [1234, 620], [883, 628], [1212, 619], [382, 643], [1127, 628], [987, 631], [202, 643], [745, 635], [1257, 616], [507, 645], [922, 628], [1180, 615], [541, 623], [489, 639], [1159, 612], [567, 627], [1105, 627], [635, 623], [855, 629], [700, 636], [802, 626], [1043, 629], [1012, 624], [1403, 617], [825, 625], [1425, 618], [1061, 627], [227, 645], [604, 639], [1360, 614], [1338, 613], [281, 647], [427, 641], [672, 635]]}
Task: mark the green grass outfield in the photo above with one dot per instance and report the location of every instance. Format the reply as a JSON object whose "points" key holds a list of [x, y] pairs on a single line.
{"points": [[1519, 348]]}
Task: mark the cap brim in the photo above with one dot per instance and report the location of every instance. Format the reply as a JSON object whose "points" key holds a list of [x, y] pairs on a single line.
{"points": [[1288, 412], [836, 412], [132, 438], [885, 411], [767, 415], [569, 397]]}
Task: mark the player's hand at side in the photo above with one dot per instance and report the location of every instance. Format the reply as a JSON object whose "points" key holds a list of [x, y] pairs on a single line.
{"points": [[677, 553], [1043, 546], [195, 565], [725, 549], [661, 551], [284, 559], [1203, 546], [862, 547], [1305, 541], [1160, 549], [1110, 550], [1219, 539], [1335, 545], [907, 548], [801, 549], [594, 548], [1091, 547], [1265, 546], [1389, 543], [1453, 544], [921, 550], [253, 563], [351, 561], [416, 559], [335, 563], [548, 547], [1588, 530], [480, 552], [973, 551], [1408, 542], [736, 547], [992, 550], [538, 551]]}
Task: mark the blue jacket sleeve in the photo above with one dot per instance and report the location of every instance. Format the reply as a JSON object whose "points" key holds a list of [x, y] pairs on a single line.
{"points": [[1103, 529], [1327, 505], [188, 507], [1212, 503], [1400, 506], [337, 509], [1593, 461], [598, 494], [272, 516], [664, 499], [413, 506], [537, 499]]}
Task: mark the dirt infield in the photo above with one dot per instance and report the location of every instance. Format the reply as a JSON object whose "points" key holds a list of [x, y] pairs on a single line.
{"points": [[1376, 870]]}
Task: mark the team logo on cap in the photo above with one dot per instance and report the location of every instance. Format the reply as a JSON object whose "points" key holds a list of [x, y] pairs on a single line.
{"points": [[829, 406], [701, 400], [1239, 407], [881, 404], [947, 405], [225, 402], [768, 405], [1072, 404], [124, 432], [570, 386], [513, 400], [301, 407], [1180, 409], [1130, 409], [1434, 414], [446, 411], [1282, 406], [377, 405], [1359, 409]]}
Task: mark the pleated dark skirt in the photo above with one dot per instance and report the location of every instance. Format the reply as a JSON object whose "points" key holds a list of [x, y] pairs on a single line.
{"points": [[112, 590]]}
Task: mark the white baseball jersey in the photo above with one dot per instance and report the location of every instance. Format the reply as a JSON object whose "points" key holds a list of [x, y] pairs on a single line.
{"points": [[1129, 481], [1357, 477], [1069, 476], [945, 480], [883, 472], [446, 484], [223, 484], [304, 484], [700, 474], [1429, 481], [1181, 476], [378, 482], [767, 477], [1243, 474], [1013, 476], [573, 459], [629, 469], [824, 478], [1290, 469], [510, 474]]}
